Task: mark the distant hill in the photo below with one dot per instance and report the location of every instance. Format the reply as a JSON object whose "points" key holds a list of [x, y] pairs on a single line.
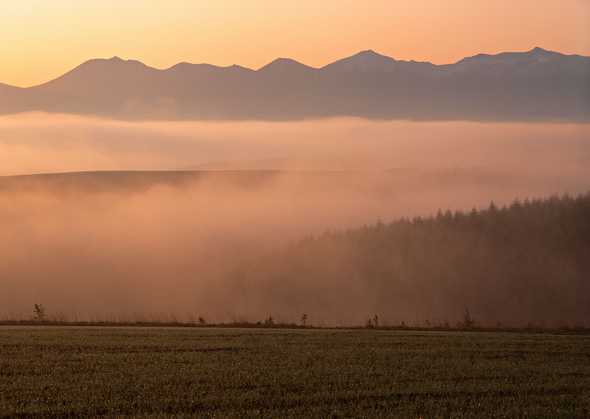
{"points": [[389, 181], [533, 85]]}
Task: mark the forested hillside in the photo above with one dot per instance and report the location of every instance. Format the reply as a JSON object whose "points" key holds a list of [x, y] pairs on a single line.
{"points": [[528, 263]]}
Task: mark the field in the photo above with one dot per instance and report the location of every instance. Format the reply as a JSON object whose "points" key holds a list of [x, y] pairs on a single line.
{"points": [[178, 372]]}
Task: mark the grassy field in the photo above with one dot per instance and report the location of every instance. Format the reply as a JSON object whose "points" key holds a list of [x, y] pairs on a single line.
{"points": [[176, 372]]}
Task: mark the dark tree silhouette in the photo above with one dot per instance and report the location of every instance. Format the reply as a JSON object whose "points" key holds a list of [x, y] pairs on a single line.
{"points": [[39, 313], [515, 264]]}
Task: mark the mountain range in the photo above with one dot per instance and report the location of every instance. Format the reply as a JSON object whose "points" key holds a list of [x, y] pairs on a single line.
{"points": [[516, 86]]}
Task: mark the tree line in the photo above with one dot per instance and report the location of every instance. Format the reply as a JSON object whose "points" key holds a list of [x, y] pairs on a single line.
{"points": [[527, 263]]}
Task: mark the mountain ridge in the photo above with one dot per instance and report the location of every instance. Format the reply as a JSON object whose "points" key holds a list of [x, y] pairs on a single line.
{"points": [[535, 84], [117, 59]]}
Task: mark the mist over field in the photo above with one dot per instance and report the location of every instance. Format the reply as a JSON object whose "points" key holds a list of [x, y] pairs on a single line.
{"points": [[145, 245]]}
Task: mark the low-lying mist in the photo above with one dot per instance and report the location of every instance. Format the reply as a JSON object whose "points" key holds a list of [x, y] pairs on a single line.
{"points": [[41, 143], [146, 246]]}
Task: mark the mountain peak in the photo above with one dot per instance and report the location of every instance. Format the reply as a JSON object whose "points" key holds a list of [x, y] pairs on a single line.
{"points": [[283, 64], [369, 53], [367, 60], [538, 51], [534, 54], [115, 60], [542, 51], [370, 56], [190, 68]]}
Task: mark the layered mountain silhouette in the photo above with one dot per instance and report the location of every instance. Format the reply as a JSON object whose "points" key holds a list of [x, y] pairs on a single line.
{"points": [[532, 85]]}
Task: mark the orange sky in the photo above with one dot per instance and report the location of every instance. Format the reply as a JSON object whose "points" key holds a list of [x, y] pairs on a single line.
{"points": [[41, 39]]}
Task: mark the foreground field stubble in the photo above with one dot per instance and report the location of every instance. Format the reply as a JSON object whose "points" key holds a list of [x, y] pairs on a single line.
{"points": [[162, 372]]}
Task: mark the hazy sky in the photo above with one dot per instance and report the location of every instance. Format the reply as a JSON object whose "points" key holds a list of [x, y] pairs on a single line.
{"points": [[41, 39]]}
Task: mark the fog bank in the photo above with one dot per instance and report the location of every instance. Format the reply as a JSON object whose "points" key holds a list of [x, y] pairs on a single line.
{"points": [[40, 143], [145, 245]]}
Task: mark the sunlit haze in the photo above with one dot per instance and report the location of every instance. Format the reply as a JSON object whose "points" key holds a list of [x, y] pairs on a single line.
{"points": [[295, 208]]}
